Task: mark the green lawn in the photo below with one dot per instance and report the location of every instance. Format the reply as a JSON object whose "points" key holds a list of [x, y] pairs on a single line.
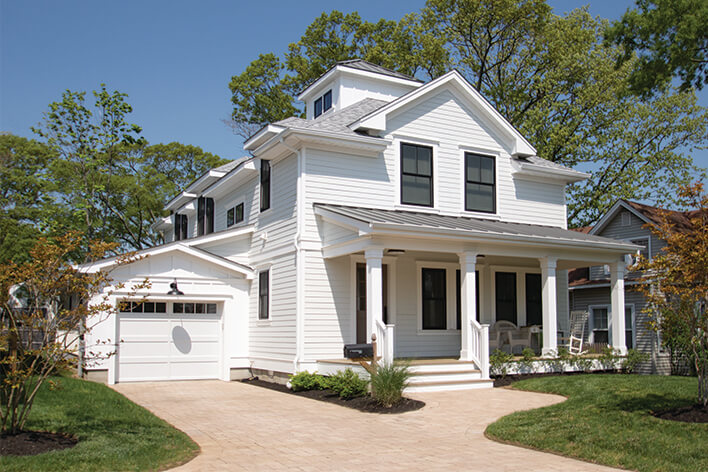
{"points": [[606, 420], [114, 433]]}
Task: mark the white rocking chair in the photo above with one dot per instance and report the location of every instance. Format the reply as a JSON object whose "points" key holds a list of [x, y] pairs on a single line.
{"points": [[578, 320]]}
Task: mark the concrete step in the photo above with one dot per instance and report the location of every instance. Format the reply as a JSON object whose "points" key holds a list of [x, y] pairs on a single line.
{"points": [[445, 386]]}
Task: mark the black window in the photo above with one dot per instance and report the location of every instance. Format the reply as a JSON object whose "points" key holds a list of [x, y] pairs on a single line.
{"points": [[458, 280], [205, 216], [534, 308], [181, 225], [327, 100], [505, 288], [479, 183], [434, 299], [239, 212], [318, 107], [416, 175], [263, 294], [230, 217], [265, 185]]}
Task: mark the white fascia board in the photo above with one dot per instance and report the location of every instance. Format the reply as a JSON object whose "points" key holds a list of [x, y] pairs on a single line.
{"points": [[534, 172], [343, 221], [165, 222], [178, 201], [261, 136], [612, 212], [392, 228], [325, 137], [339, 69], [220, 236], [245, 168], [377, 119]]}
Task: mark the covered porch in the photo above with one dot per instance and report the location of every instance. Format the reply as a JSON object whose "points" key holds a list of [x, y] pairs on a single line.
{"points": [[432, 286]]}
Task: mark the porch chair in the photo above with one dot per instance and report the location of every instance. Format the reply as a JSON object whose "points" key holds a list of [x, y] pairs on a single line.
{"points": [[520, 338], [578, 320], [501, 329]]}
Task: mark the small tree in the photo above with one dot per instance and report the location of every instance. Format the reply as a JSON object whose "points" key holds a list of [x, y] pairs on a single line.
{"points": [[44, 305], [677, 282]]}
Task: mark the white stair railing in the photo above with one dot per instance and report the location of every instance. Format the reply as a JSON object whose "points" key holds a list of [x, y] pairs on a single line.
{"points": [[479, 346], [384, 338]]}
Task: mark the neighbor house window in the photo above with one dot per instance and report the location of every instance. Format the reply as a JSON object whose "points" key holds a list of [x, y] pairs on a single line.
{"points": [[239, 212], [644, 252], [434, 299], [416, 175], [263, 294], [265, 185], [479, 183], [600, 325]]}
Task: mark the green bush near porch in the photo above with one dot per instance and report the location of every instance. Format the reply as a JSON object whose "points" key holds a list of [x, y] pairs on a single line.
{"points": [[113, 432], [607, 419]]}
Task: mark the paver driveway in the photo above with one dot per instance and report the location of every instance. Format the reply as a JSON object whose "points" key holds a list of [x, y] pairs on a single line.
{"points": [[244, 427]]}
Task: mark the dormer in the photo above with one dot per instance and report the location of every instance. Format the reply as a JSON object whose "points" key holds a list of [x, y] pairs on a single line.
{"points": [[351, 81]]}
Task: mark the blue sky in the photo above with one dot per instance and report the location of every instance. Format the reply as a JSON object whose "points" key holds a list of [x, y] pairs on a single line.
{"points": [[173, 58]]}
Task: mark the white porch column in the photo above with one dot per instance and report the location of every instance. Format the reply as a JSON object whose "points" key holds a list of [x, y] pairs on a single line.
{"points": [[549, 304], [374, 290], [618, 340], [468, 262]]}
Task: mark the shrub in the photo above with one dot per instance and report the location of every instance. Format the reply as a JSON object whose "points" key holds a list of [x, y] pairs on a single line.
{"points": [[608, 358], [388, 382], [499, 362], [307, 381], [633, 359], [582, 363], [527, 360], [347, 384]]}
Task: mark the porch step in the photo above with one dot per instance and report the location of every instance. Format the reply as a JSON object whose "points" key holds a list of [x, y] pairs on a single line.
{"points": [[450, 385], [442, 376]]}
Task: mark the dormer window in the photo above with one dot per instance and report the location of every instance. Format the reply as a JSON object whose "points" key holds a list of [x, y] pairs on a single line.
{"points": [[205, 216], [234, 215], [181, 225], [265, 185], [323, 103]]}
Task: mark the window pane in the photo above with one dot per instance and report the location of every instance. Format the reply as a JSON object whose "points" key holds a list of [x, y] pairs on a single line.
{"points": [[239, 212], [434, 299], [263, 298], [416, 190], [136, 307], [505, 293], [473, 168], [487, 170], [160, 307], [425, 161], [534, 312], [409, 158], [265, 185], [600, 336], [149, 307], [479, 197], [178, 307], [230, 217], [189, 307], [211, 308], [599, 318], [327, 100], [318, 107]]}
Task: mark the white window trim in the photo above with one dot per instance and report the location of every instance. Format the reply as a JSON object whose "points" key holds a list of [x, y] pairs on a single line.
{"points": [[404, 139], [267, 321], [591, 322], [450, 295], [391, 263], [463, 148], [521, 272]]}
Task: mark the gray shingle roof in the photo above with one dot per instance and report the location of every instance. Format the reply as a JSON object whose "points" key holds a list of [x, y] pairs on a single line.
{"points": [[477, 226], [541, 162], [369, 67], [230, 165], [337, 121]]}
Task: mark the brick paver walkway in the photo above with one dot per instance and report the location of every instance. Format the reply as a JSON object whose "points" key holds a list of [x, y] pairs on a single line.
{"points": [[244, 427]]}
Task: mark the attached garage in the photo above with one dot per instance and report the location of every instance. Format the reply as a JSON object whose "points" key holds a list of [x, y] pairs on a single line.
{"points": [[169, 341]]}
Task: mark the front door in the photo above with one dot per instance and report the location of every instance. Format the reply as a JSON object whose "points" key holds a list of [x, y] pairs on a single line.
{"points": [[361, 300]]}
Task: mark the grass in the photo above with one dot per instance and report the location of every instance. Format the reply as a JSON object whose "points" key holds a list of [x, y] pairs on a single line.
{"points": [[114, 433], [607, 420]]}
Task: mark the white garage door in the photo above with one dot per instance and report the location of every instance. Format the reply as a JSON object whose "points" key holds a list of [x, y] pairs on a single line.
{"points": [[168, 341]]}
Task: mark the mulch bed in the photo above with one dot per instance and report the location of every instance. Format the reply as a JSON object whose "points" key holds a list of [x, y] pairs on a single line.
{"points": [[687, 414], [365, 403], [29, 443]]}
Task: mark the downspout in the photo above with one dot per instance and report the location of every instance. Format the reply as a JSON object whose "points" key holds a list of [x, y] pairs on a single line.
{"points": [[299, 257]]}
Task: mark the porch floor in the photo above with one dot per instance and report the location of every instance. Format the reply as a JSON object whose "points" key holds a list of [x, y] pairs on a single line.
{"points": [[413, 362]]}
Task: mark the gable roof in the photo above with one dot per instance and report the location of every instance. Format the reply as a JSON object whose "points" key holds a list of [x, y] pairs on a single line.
{"points": [[337, 121], [376, 120], [370, 67], [649, 214]]}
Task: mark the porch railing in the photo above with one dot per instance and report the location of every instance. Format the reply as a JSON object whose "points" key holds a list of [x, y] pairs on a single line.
{"points": [[384, 337], [479, 346]]}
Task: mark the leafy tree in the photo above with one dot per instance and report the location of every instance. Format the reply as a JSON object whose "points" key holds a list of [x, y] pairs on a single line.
{"points": [[39, 337], [24, 194], [677, 283], [671, 39], [108, 183]]}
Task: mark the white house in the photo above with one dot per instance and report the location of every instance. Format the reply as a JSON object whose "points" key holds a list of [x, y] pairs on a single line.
{"points": [[409, 210]]}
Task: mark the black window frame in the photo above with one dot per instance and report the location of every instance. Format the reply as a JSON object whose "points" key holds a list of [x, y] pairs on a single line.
{"points": [[230, 218], [265, 184], [326, 101], [433, 321], [493, 185], [430, 177], [181, 226], [205, 216], [318, 107], [534, 301], [239, 212], [264, 295], [512, 301]]}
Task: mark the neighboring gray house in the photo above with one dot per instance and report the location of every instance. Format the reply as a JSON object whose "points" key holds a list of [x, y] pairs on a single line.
{"points": [[589, 287]]}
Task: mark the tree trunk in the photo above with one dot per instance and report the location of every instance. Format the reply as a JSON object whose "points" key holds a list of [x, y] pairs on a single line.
{"points": [[703, 386]]}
